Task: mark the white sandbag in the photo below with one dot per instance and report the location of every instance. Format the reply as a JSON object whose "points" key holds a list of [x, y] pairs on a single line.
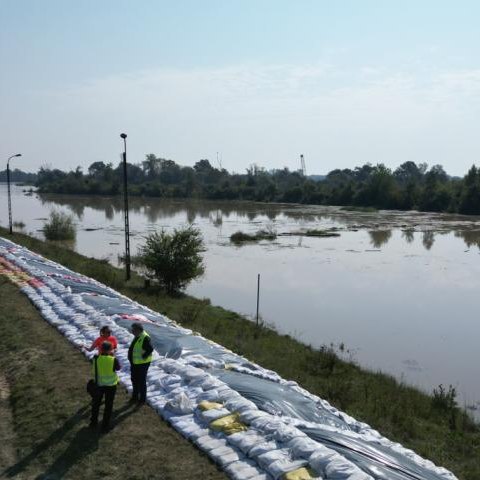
{"points": [[321, 457], [285, 433], [204, 362], [181, 404], [273, 455], [262, 448], [338, 468], [248, 416], [245, 441], [225, 455], [302, 447], [243, 470], [279, 468], [209, 396], [210, 383], [268, 424], [208, 416], [207, 443], [239, 404]]}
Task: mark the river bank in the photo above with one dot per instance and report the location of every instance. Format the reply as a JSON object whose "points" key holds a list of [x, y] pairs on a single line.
{"points": [[432, 428]]}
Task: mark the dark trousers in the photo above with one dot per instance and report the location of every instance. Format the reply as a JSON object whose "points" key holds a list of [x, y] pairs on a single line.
{"points": [[109, 393], [138, 375]]}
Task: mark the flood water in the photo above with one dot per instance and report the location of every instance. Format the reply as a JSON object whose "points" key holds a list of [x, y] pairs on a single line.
{"points": [[399, 290]]}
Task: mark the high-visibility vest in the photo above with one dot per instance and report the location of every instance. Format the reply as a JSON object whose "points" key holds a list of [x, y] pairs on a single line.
{"points": [[106, 375], [138, 351]]}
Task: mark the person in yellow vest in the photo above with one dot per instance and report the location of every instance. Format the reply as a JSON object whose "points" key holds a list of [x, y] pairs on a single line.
{"points": [[104, 371], [139, 356]]}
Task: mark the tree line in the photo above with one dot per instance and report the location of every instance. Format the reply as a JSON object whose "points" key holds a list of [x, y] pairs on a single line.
{"points": [[410, 186], [19, 176]]}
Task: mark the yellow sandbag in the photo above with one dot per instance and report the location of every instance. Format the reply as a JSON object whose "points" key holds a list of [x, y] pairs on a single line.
{"points": [[229, 424], [298, 474], [206, 405]]}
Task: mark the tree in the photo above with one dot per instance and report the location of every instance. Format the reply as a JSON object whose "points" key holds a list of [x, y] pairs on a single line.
{"points": [[174, 259], [470, 196], [408, 173], [97, 169]]}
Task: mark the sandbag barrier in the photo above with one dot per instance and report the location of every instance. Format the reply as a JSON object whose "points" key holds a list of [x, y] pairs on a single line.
{"points": [[249, 420]]}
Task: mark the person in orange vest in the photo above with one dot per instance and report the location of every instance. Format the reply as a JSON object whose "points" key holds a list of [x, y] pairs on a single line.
{"points": [[104, 371], [140, 357], [105, 336]]}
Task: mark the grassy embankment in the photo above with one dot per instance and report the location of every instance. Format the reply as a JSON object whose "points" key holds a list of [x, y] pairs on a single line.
{"points": [[44, 413], [434, 429]]}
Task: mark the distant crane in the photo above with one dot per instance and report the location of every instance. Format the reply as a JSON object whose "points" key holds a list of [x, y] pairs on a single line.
{"points": [[302, 163]]}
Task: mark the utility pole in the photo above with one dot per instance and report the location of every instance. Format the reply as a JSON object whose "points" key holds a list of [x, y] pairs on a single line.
{"points": [[125, 196], [258, 295], [9, 193]]}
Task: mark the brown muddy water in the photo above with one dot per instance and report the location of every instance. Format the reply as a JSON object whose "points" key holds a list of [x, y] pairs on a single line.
{"points": [[399, 290]]}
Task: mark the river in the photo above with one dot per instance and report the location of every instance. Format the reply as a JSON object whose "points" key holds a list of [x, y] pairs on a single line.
{"points": [[395, 292]]}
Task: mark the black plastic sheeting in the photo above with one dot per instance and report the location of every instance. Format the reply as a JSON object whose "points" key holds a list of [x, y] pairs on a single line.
{"points": [[380, 462]]}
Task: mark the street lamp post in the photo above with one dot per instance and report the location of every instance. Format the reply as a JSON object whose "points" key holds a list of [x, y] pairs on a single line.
{"points": [[9, 194], [125, 196]]}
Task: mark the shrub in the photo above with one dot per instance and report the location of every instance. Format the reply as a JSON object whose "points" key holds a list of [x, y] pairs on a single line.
{"points": [[60, 226], [174, 259]]}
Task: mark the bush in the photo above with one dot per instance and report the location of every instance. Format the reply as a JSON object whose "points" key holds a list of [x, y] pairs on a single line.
{"points": [[174, 259], [60, 226]]}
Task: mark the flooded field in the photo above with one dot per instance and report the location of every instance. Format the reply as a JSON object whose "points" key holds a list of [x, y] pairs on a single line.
{"points": [[397, 292]]}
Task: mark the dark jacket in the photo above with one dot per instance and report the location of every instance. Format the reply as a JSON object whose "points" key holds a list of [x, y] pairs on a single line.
{"points": [[147, 348]]}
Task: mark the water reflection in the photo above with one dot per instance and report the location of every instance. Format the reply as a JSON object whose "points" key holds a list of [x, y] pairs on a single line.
{"points": [[380, 225], [470, 237], [408, 235], [378, 238], [428, 239]]}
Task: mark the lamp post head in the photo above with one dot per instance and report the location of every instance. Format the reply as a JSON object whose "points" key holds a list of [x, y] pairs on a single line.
{"points": [[123, 135], [13, 156]]}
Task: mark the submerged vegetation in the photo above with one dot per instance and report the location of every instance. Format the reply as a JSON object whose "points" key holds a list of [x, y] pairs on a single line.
{"points": [[60, 226], [432, 425], [331, 232], [241, 237], [365, 188]]}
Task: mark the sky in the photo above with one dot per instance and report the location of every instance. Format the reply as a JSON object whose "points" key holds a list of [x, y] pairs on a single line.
{"points": [[343, 82]]}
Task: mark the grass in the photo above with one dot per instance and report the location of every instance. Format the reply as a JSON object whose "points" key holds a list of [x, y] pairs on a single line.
{"points": [[400, 412], [44, 426], [242, 237]]}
